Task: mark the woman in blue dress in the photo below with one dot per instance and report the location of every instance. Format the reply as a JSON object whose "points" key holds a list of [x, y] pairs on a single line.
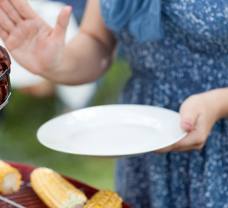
{"points": [[178, 52]]}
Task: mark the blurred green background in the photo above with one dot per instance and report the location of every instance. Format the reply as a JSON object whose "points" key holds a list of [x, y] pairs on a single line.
{"points": [[23, 116]]}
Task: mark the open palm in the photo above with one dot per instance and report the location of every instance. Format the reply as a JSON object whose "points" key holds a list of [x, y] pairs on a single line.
{"points": [[30, 40]]}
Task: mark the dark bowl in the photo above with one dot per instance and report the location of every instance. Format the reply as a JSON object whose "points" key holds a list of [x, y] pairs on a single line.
{"points": [[4, 77]]}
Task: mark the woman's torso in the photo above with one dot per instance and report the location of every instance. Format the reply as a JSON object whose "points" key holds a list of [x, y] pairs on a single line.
{"points": [[192, 57]]}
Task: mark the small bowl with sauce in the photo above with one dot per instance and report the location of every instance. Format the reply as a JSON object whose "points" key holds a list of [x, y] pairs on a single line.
{"points": [[5, 89]]}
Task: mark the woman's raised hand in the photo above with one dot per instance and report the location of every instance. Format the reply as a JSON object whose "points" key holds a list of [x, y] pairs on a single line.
{"points": [[30, 40]]}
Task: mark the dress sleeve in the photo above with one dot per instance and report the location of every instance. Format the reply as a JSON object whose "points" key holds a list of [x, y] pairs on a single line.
{"points": [[142, 18]]}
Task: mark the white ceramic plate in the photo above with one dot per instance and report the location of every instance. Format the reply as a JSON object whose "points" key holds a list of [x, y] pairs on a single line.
{"points": [[112, 130]]}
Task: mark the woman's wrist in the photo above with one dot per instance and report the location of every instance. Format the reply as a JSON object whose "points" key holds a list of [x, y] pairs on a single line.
{"points": [[217, 100]]}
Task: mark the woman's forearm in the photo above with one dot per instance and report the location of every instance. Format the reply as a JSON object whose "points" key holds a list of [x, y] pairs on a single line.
{"points": [[89, 54], [85, 59]]}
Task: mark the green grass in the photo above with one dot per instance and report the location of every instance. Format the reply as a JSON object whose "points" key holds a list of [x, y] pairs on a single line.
{"points": [[25, 114]]}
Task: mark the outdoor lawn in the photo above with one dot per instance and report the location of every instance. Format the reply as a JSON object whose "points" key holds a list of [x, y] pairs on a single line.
{"points": [[25, 114]]}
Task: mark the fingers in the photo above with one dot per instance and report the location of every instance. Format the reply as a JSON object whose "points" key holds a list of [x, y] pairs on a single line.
{"points": [[23, 8], [190, 142], [11, 11], [189, 113], [194, 140], [166, 149], [62, 22], [3, 34], [8, 19], [5, 22]]}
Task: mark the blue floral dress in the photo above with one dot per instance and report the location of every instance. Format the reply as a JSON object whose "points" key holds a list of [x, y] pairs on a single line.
{"points": [[191, 58]]}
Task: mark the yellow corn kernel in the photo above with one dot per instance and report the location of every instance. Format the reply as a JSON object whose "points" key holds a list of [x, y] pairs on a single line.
{"points": [[10, 179], [104, 199], [55, 191]]}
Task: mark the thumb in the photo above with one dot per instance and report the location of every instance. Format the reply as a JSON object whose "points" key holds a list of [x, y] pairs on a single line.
{"points": [[62, 22], [189, 115]]}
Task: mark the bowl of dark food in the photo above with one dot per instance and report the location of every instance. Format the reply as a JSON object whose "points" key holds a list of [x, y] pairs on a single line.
{"points": [[4, 77]]}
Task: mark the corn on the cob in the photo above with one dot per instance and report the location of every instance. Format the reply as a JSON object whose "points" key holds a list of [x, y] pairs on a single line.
{"points": [[10, 178], [55, 191], [104, 199]]}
